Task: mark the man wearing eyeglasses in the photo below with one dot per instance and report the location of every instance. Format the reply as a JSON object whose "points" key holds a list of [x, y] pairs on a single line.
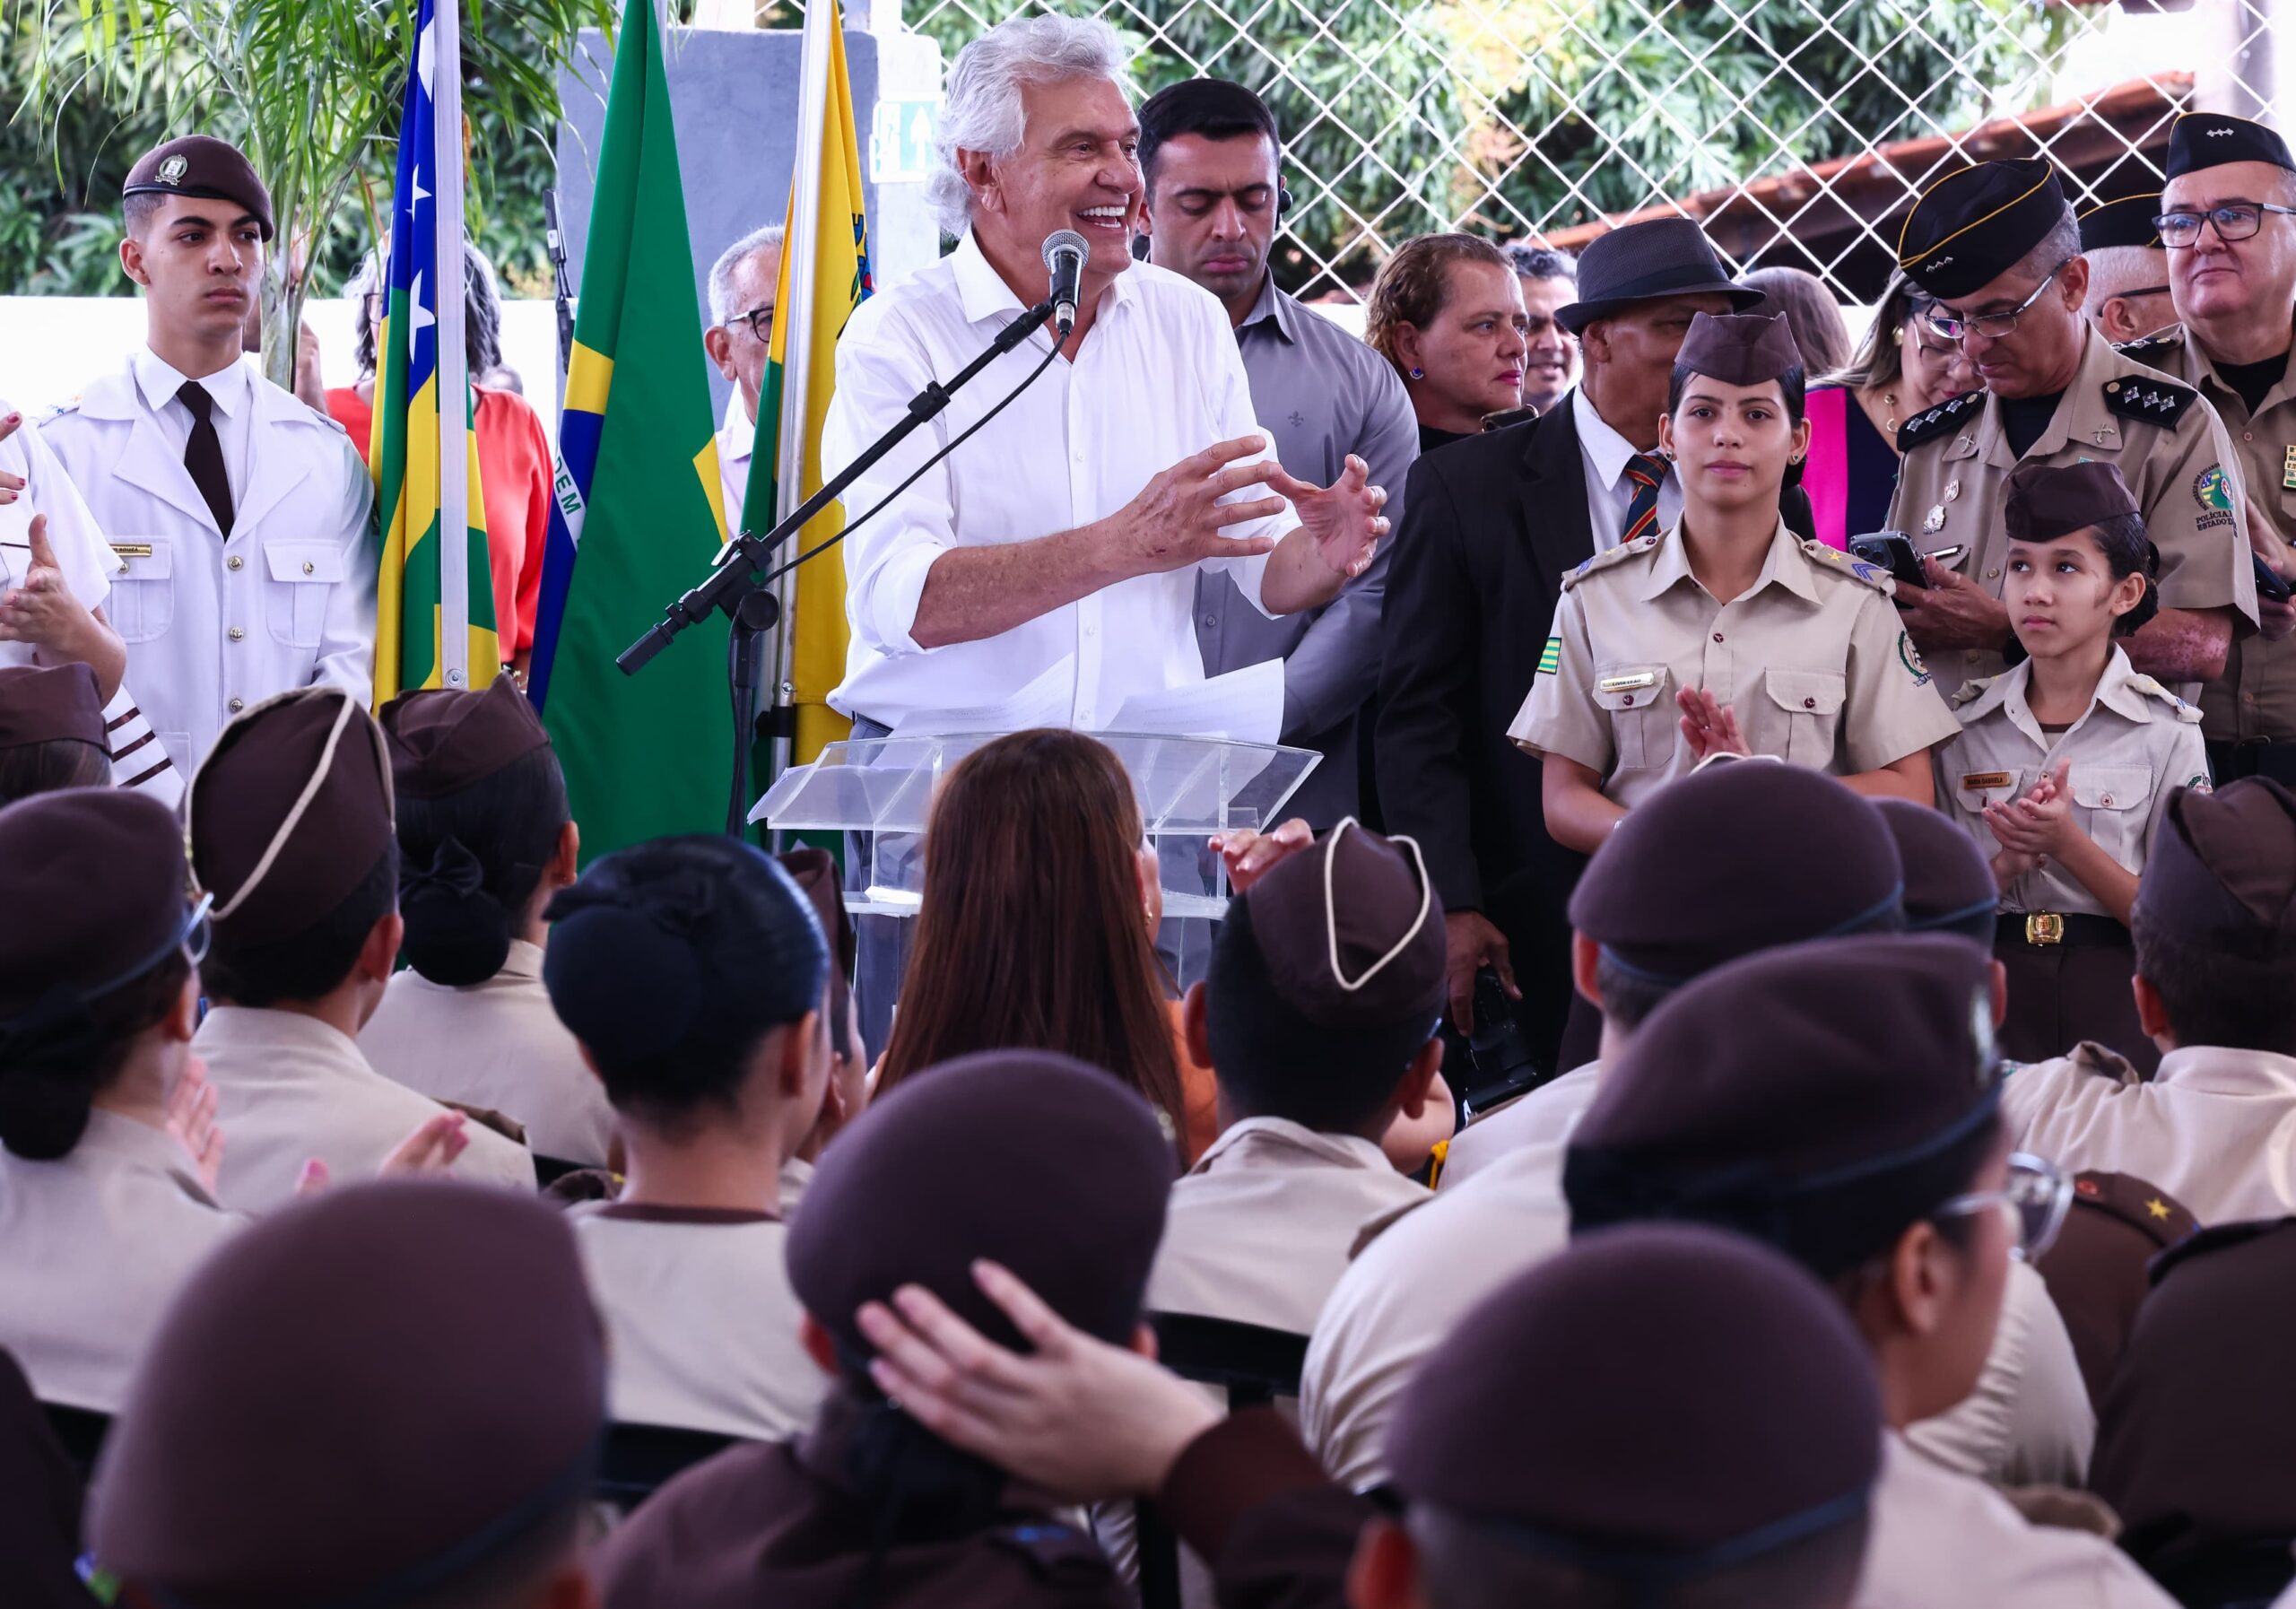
{"points": [[2128, 268], [1997, 248], [2229, 218], [742, 283]]}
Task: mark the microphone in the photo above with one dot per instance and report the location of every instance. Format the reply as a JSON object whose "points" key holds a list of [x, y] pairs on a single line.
{"points": [[1065, 254]]}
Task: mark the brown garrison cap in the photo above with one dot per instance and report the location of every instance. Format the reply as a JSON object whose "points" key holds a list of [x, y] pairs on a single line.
{"points": [[1035, 1161], [814, 872], [2049, 500], [104, 869], [1970, 228], [1739, 348], [2200, 140], [441, 740], [201, 165], [1819, 1097], [1351, 931], [2223, 870], [2193, 1436], [1948, 881], [2097, 1267], [359, 1400], [1656, 1392], [289, 813], [1734, 858], [47, 703]]}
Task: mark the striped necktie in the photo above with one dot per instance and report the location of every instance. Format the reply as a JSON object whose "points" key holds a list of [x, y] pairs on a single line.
{"points": [[1645, 470]]}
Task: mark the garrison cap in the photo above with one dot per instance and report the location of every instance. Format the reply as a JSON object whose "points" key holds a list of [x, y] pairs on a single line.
{"points": [[50, 703], [1819, 1097], [2199, 140], [1948, 881], [1351, 931], [289, 813], [201, 165], [1736, 857], [1655, 1394], [2049, 500], [441, 740], [1036, 1160], [360, 1400], [814, 872], [1643, 262], [2098, 1268], [2127, 222], [2221, 873], [1970, 228], [104, 870], [1739, 348]]}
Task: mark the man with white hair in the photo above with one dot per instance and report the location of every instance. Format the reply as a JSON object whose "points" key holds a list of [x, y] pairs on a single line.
{"points": [[2129, 269], [743, 282]]}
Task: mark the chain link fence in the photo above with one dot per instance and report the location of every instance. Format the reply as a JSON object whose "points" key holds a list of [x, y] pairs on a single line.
{"points": [[1796, 130]]}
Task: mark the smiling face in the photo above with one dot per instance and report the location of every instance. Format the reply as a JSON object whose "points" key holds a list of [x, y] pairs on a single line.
{"points": [[200, 262], [1731, 443], [1077, 167], [1211, 212], [1550, 362], [2215, 279], [2062, 596]]}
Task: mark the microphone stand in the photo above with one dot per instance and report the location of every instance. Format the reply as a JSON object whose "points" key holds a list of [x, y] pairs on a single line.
{"points": [[732, 584]]}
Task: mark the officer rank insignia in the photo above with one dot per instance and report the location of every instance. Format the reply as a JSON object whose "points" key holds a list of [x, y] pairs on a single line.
{"points": [[1551, 657], [2156, 400], [1937, 420]]}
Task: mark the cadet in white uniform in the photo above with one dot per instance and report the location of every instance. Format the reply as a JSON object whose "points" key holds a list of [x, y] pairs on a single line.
{"points": [[290, 825], [692, 969], [241, 516], [485, 840], [2215, 931], [103, 1215]]}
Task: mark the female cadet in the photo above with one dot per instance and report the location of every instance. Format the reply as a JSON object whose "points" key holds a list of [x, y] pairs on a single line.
{"points": [[1726, 634], [2064, 763]]}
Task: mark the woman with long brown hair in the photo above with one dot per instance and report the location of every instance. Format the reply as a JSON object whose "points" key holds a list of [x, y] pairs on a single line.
{"points": [[1040, 903]]}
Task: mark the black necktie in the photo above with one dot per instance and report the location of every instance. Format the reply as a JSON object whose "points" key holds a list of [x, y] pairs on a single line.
{"points": [[1645, 470], [203, 455]]}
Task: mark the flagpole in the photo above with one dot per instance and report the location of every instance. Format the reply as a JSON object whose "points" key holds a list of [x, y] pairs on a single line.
{"points": [[453, 380]]}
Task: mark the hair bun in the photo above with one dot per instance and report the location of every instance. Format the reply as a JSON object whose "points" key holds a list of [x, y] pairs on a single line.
{"points": [[456, 933], [2147, 606], [44, 1106]]}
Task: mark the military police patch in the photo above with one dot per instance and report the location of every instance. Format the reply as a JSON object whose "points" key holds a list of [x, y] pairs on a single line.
{"points": [[2201, 785], [1551, 657], [1910, 658], [2212, 490]]}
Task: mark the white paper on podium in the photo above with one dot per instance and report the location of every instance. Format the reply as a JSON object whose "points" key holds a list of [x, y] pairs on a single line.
{"points": [[1046, 701], [1244, 706]]}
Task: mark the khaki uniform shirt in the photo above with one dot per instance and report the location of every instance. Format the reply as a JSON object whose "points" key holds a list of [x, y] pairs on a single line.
{"points": [[497, 1044], [1546, 1116], [2214, 1128], [1811, 658], [701, 1323], [93, 1246], [290, 1087], [2168, 444], [2256, 698], [1943, 1541], [2137, 742]]}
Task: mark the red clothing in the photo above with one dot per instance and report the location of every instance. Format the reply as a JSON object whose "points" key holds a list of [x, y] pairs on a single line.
{"points": [[514, 468]]}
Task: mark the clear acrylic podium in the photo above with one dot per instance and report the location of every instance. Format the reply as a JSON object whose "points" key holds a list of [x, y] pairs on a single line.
{"points": [[1188, 788]]}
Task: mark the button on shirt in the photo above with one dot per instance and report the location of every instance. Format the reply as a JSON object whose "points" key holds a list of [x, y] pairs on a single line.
{"points": [[1609, 493], [1158, 379]]}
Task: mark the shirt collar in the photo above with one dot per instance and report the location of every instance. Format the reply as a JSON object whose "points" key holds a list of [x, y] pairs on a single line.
{"points": [[1281, 1133], [158, 380], [1272, 305], [524, 960], [2222, 1070], [2115, 690], [739, 431], [982, 292], [1785, 565], [1604, 448]]}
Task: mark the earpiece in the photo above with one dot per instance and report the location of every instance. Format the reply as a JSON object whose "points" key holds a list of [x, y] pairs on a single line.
{"points": [[1283, 198]]}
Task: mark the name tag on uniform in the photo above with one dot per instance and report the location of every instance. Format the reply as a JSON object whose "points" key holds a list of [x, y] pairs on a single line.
{"points": [[1984, 779], [132, 550], [1628, 683]]}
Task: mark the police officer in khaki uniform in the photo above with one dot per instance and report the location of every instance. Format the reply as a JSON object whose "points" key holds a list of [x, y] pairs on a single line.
{"points": [[2233, 270], [1726, 633], [2129, 269], [1998, 247]]}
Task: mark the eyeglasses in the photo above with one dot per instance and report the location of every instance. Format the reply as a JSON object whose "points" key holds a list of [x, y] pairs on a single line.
{"points": [[758, 319], [1992, 327], [2234, 221], [2034, 1200]]}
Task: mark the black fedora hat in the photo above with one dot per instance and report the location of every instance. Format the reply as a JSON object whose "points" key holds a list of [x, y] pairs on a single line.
{"points": [[1666, 256]]}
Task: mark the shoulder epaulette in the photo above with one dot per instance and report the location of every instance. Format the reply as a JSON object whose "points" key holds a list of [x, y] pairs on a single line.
{"points": [[1936, 422], [2150, 398], [1968, 693], [1602, 561], [2150, 687], [1850, 565], [2100, 1061], [2159, 344]]}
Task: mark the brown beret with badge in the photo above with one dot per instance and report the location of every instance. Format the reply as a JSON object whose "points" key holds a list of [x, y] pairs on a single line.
{"points": [[442, 740], [1970, 228], [2049, 500], [1350, 932], [50, 703], [201, 165], [1739, 348]]}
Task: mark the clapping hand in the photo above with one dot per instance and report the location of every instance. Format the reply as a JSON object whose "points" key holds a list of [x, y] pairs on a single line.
{"points": [[191, 1121], [1344, 518], [1709, 726], [2038, 826], [1251, 856]]}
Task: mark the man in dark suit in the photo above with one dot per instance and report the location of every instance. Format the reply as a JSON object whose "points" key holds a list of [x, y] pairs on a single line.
{"points": [[1490, 526]]}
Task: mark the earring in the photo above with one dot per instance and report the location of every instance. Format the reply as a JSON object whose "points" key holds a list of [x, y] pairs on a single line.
{"points": [[1419, 374]]}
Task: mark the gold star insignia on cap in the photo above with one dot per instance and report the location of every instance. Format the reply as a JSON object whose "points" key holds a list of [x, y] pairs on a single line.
{"points": [[2157, 1208]]}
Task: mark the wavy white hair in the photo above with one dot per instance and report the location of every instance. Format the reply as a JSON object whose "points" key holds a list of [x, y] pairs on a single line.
{"points": [[984, 110]]}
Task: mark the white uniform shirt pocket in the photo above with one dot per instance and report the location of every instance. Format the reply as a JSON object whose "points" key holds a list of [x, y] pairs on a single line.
{"points": [[2114, 803], [1642, 716], [301, 572], [142, 604], [1803, 721]]}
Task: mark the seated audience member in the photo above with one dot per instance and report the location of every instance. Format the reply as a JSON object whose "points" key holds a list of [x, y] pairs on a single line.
{"points": [[1658, 907], [2193, 1443], [1846, 1109], [1949, 888], [2215, 922], [815, 873], [103, 1213], [51, 731], [2128, 295], [1447, 311], [2100, 1270], [40, 1498], [1044, 1165], [691, 970], [289, 820], [392, 1395], [1810, 310], [1549, 282], [484, 839]]}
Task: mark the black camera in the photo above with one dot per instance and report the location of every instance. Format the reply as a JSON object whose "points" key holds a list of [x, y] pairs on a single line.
{"points": [[1499, 1057]]}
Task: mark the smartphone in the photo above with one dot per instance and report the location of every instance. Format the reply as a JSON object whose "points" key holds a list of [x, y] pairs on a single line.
{"points": [[1892, 551], [2269, 583]]}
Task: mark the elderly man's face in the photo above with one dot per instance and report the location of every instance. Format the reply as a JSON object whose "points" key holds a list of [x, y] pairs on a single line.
{"points": [[1078, 167], [737, 349], [2224, 280]]}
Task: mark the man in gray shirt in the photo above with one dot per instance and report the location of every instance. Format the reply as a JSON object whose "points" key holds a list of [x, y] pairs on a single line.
{"points": [[1209, 151]]}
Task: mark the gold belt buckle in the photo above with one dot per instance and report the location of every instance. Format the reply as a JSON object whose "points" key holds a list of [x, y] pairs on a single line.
{"points": [[2044, 927]]}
